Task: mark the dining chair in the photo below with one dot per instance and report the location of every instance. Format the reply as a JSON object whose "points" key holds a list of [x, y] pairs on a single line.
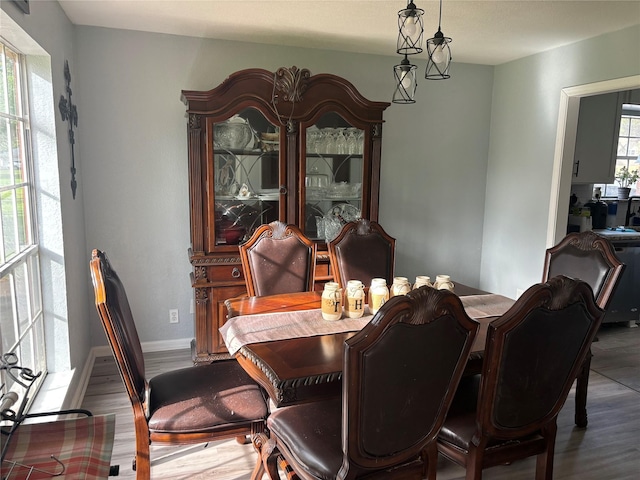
{"points": [[400, 373], [591, 258], [362, 251], [532, 355], [278, 258], [184, 406]]}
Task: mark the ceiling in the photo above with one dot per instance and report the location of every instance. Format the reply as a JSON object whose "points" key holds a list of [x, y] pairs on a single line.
{"points": [[483, 31]]}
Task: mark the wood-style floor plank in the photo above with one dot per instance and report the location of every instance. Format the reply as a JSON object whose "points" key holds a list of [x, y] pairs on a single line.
{"points": [[607, 450]]}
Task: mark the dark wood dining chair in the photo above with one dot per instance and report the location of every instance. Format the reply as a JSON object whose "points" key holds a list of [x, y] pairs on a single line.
{"points": [[185, 406], [362, 251], [591, 258], [400, 374], [532, 355], [278, 258]]}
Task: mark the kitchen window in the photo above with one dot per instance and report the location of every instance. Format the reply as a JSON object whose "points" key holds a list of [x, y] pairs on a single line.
{"points": [[21, 312], [628, 154]]}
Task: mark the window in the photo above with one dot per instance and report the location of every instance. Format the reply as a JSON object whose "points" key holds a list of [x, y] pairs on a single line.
{"points": [[21, 313], [628, 148]]}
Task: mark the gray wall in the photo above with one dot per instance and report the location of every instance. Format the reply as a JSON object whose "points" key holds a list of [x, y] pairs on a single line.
{"points": [[134, 159], [524, 121]]}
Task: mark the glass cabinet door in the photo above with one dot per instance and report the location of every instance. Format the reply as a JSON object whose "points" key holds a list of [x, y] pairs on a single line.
{"points": [[246, 175], [333, 176]]}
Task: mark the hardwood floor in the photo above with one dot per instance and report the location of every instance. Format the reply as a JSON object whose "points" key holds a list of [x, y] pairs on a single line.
{"points": [[607, 450]]}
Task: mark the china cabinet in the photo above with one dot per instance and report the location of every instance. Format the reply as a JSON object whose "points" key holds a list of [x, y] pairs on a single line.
{"points": [[263, 146]]}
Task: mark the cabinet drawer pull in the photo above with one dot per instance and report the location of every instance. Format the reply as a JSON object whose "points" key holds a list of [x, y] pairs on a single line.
{"points": [[235, 273], [282, 190]]}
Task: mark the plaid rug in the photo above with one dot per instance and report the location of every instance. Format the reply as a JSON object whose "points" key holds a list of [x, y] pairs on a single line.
{"points": [[83, 447]]}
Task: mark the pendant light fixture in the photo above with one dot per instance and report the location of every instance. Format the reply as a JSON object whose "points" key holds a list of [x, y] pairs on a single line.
{"points": [[410, 30], [405, 79], [439, 54]]}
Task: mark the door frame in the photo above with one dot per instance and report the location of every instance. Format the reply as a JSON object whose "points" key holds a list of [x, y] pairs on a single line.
{"points": [[565, 146]]}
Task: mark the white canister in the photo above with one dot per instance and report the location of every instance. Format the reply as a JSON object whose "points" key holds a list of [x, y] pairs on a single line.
{"points": [[354, 303], [400, 286], [332, 301], [421, 281], [378, 294], [443, 282]]}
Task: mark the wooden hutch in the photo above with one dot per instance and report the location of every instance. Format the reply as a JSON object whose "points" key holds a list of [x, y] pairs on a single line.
{"points": [[263, 146]]}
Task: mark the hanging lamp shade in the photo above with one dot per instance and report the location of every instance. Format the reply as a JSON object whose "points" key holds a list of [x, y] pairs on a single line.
{"points": [[405, 80], [439, 60], [410, 30]]}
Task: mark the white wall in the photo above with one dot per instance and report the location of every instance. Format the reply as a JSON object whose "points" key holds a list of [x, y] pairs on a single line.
{"points": [[524, 120], [134, 155]]}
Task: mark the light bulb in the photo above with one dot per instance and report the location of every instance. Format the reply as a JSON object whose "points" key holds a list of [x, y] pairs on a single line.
{"points": [[409, 25], [439, 55], [406, 80]]}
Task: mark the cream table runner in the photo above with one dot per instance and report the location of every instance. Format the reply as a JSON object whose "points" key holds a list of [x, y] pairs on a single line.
{"points": [[265, 327]]}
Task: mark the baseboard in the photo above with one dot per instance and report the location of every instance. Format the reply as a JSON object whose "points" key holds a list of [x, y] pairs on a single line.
{"points": [[161, 346], [77, 399]]}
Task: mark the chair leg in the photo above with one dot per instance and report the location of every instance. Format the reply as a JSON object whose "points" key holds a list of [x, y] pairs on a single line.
{"points": [[142, 465], [267, 457], [475, 462], [544, 461], [430, 458], [142, 461], [258, 470], [289, 473], [582, 382]]}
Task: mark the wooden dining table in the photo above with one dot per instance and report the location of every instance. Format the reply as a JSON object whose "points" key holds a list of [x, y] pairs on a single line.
{"points": [[305, 368]]}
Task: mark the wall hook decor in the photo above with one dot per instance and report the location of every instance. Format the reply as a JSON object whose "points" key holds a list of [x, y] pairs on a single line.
{"points": [[69, 112]]}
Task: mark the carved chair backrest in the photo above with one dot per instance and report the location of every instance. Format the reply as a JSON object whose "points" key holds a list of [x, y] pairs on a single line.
{"points": [[589, 257], [278, 258], [532, 356], [400, 374], [362, 251], [119, 326]]}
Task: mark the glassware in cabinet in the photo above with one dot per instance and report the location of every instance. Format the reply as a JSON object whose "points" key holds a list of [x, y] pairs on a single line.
{"points": [[334, 169], [246, 175]]}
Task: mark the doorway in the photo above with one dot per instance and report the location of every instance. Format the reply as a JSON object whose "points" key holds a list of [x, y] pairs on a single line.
{"points": [[565, 145]]}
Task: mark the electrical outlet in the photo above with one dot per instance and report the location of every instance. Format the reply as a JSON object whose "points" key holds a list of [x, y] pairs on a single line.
{"points": [[173, 316], [192, 306]]}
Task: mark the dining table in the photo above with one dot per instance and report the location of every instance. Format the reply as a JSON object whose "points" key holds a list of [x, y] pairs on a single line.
{"points": [[286, 346]]}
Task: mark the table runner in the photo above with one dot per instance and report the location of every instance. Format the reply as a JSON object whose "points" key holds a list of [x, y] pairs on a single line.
{"points": [[265, 327], [83, 445], [490, 305], [245, 329]]}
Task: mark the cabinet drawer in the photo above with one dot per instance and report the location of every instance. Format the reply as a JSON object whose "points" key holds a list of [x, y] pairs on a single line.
{"points": [[225, 273]]}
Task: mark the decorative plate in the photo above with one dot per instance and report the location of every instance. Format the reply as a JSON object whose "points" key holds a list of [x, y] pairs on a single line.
{"points": [[345, 212]]}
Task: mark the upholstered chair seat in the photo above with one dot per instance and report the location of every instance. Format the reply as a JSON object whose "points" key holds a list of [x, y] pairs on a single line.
{"points": [[312, 431], [204, 399]]}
